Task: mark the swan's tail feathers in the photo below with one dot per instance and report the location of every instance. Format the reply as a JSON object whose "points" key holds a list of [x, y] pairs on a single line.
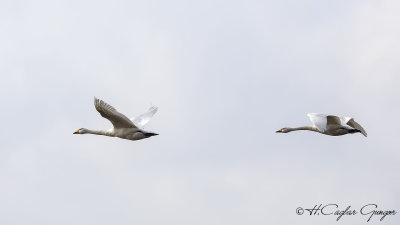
{"points": [[149, 134]]}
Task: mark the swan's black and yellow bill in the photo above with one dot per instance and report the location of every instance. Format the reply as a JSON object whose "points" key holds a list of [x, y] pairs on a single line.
{"points": [[76, 132], [279, 131]]}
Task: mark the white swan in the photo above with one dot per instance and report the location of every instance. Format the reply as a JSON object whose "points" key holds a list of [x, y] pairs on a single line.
{"points": [[123, 127], [329, 125]]}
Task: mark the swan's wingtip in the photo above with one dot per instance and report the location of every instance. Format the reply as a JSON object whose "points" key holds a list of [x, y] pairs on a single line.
{"points": [[153, 108]]}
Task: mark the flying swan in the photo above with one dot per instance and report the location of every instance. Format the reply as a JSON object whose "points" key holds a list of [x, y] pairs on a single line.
{"points": [[124, 128], [329, 125]]}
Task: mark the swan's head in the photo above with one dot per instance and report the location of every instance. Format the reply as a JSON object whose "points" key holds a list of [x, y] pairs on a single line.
{"points": [[81, 131], [283, 130]]}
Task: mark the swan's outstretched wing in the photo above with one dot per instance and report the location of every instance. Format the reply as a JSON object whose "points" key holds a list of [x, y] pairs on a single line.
{"points": [[333, 122], [118, 119], [318, 120], [350, 122], [141, 120]]}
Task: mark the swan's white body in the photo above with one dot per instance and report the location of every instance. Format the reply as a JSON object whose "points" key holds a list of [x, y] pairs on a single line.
{"points": [[125, 128], [329, 125]]}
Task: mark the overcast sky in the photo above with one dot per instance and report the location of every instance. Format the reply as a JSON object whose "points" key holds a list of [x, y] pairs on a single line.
{"points": [[225, 75]]}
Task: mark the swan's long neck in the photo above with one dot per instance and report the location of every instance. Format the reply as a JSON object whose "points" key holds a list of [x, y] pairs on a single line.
{"points": [[98, 132], [303, 128]]}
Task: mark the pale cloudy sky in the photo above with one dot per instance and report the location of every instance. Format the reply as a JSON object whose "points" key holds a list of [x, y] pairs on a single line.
{"points": [[225, 75]]}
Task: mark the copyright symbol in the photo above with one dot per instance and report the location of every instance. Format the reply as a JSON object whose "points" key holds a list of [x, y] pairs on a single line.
{"points": [[299, 211]]}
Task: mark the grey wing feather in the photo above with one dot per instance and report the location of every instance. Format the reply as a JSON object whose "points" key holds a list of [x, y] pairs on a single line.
{"points": [[357, 126], [144, 118], [333, 121], [117, 119]]}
